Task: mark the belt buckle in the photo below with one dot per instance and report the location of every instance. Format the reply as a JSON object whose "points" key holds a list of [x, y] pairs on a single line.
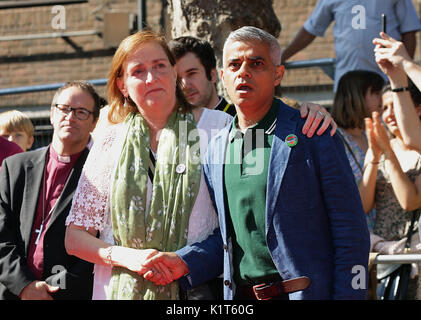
{"points": [[260, 291]]}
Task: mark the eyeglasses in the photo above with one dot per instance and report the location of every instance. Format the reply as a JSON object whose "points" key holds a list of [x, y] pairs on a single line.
{"points": [[80, 113]]}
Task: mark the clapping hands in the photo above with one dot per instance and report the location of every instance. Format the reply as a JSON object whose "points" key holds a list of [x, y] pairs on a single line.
{"points": [[378, 139]]}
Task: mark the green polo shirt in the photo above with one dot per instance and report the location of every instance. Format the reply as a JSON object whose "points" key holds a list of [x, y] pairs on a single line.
{"points": [[245, 173]]}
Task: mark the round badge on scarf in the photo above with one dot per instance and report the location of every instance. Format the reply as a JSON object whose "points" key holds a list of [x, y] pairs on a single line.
{"points": [[180, 168], [291, 140]]}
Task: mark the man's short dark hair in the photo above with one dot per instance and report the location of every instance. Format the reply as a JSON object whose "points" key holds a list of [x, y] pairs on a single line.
{"points": [[202, 49]]}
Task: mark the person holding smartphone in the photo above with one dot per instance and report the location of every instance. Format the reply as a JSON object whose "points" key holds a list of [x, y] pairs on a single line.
{"points": [[355, 27], [395, 61]]}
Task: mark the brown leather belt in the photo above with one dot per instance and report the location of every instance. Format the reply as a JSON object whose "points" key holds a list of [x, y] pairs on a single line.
{"points": [[266, 291]]}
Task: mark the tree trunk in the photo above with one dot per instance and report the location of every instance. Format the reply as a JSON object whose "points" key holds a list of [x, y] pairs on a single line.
{"points": [[213, 20]]}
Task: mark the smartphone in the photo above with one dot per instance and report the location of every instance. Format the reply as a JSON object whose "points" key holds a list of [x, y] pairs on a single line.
{"points": [[384, 23]]}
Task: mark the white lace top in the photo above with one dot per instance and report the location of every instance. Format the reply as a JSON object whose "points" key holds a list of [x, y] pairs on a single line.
{"points": [[90, 207]]}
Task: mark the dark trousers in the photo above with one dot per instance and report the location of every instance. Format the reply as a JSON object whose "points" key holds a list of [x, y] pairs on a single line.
{"points": [[211, 290]]}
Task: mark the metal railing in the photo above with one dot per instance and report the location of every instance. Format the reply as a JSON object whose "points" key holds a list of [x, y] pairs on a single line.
{"points": [[388, 284], [36, 3], [51, 35], [43, 130], [45, 87], [397, 258], [326, 64]]}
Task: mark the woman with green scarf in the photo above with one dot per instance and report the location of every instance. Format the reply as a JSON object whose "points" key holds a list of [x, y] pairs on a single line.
{"points": [[132, 200]]}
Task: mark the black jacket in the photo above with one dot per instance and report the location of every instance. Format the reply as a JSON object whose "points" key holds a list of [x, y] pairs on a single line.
{"points": [[20, 184]]}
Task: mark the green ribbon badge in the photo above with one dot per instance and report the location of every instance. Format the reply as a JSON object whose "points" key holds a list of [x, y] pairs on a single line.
{"points": [[291, 140]]}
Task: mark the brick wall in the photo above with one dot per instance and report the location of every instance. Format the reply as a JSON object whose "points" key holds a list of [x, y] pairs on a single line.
{"points": [[44, 61], [293, 14], [56, 60]]}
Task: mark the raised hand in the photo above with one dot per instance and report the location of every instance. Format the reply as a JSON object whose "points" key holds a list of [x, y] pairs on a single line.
{"points": [[390, 49], [390, 55], [315, 113]]}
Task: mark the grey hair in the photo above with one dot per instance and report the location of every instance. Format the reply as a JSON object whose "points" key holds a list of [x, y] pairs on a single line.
{"points": [[249, 33]]}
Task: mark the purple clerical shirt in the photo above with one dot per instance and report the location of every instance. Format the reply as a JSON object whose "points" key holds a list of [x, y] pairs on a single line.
{"points": [[58, 169]]}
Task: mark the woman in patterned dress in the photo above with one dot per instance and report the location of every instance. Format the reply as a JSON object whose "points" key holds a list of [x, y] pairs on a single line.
{"points": [[398, 187], [357, 96]]}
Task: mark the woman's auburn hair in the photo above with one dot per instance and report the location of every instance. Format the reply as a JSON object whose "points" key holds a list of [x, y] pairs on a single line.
{"points": [[118, 112]]}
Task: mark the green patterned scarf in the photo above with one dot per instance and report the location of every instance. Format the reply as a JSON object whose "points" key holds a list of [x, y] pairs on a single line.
{"points": [[164, 227]]}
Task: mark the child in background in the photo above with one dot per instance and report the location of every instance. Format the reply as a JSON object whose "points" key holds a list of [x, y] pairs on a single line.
{"points": [[17, 127]]}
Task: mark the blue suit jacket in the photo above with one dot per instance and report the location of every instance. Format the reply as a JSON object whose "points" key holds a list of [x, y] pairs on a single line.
{"points": [[315, 224]]}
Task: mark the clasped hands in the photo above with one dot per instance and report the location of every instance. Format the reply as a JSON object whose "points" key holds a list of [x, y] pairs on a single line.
{"points": [[161, 268], [378, 139]]}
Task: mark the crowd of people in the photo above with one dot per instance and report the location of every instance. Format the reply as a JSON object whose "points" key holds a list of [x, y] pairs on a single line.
{"points": [[171, 192]]}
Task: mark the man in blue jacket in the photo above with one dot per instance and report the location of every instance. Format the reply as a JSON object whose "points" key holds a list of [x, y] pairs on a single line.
{"points": [[291, 221]]}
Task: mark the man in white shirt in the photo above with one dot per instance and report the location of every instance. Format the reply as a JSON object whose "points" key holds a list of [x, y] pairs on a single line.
{"points": [[196, 67]]}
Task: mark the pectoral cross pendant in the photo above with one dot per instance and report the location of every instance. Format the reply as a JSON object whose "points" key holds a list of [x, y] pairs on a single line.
{"points": [[39, 231]]}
